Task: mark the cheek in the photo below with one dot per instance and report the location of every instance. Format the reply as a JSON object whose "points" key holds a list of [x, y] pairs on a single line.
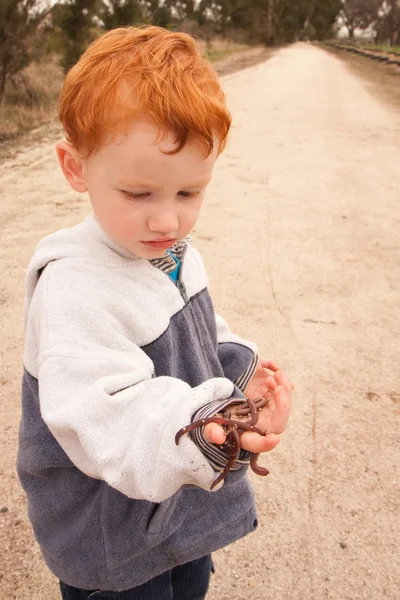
{"points": [[125, 221], [119, 218], [192, 211], [127, 229]]}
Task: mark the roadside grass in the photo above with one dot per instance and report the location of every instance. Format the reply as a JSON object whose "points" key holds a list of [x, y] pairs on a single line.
{"points": [[383, 80], [370, 47], [215, 54], [381, 48], [31, 99]]}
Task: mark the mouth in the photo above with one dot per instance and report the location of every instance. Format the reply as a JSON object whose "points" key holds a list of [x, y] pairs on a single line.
{"points": [[160, 244]]}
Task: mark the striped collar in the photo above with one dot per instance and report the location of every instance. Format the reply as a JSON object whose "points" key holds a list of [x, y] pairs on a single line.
{"points": [[166, 263]]}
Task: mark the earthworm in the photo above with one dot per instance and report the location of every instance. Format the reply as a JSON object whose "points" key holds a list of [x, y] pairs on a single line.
{"points": [[235, 427], [253, 407], [256, 468], [245, 409], [253, 410], [235, 453], [219, 421]]}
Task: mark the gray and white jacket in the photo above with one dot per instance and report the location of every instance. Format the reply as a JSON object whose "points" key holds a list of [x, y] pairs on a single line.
{"points": [[117, 359]]}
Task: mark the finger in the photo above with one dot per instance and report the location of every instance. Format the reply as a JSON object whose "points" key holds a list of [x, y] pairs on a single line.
{"points": [[281, 413], [269, 364], [256, 443], [271, 383], [214, 433], [282, 379]]}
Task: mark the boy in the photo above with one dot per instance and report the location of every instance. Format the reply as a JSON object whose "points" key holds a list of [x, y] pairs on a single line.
{"points": [[123, 347]]}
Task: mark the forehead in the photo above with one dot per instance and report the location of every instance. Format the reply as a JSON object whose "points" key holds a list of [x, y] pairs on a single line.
{"points": [[141, 151]]}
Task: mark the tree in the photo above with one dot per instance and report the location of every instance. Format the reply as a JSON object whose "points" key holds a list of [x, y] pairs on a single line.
{"points": [[115, 13], [181, 10], [388, 27], [359, 14], [19, 23], [161, 16], [256, 17], [290, 18], [324, 14], [204, 10], [279, 21], [74, 20], [265, 21]]}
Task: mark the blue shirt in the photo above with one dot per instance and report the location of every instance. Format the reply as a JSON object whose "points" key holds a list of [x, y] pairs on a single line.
{"points": [[175, 273]]}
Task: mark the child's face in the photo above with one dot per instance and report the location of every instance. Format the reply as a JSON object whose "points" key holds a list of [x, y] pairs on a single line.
{"points": [[144, 199]]}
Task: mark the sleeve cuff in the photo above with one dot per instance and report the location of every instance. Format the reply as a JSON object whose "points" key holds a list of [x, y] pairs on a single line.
{"points": [[244, 379], [216, 455]]}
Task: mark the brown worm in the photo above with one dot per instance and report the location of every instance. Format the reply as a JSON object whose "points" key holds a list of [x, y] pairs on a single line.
{"points": [[235, 453], [245, 410], [219, 421], [253, 412], [256, 468], [235, 428]]}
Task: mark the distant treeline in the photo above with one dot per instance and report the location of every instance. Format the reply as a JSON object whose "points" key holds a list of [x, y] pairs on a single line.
{"points": [[30, 29]]}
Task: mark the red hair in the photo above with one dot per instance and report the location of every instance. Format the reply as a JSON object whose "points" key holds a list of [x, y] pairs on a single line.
{"points": [[150, 72]]}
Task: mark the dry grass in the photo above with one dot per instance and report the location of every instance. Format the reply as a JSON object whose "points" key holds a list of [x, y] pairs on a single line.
{"points": [[31, 98], [220, 48], [215, 54]]}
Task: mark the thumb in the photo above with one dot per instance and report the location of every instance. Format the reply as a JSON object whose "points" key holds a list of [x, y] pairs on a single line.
{"points": [[214, 434]]}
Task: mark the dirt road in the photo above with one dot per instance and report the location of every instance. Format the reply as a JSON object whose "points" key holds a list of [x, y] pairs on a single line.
{"points": [[301, 236]]}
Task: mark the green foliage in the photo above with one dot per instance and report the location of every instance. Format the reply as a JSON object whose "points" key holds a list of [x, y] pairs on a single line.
{"points": [[74, 21], [117, 13], [204, 6], [323, 17], [267, 21], [290, 19], [161, 17]]}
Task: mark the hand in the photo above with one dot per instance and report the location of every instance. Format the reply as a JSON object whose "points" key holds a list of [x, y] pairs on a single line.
{"points": [[273, 418], [258, 385]]}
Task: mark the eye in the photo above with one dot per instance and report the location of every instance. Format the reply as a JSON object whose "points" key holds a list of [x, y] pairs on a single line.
{"points": [[188, 194], [135, 196]]}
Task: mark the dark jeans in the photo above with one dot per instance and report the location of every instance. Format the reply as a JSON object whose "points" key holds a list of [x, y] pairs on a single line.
{"points": [[186, 582]]}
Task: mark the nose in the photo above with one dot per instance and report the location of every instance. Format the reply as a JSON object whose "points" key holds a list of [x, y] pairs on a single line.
{"points": [[164, 220]]}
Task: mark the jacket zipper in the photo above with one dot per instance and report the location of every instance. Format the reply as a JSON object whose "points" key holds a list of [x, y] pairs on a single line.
{"points": [[179, 284]]}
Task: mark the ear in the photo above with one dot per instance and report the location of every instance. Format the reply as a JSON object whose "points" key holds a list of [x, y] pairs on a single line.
{"points": [[71, 165]]}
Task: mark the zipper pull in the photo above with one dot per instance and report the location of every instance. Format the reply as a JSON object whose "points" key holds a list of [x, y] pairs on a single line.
{"points": [[182, 289]]}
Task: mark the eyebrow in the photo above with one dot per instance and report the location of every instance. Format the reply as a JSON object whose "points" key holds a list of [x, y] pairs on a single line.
{"points": [[152, 185]]}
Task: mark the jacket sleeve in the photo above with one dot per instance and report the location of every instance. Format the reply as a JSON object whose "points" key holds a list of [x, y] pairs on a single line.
{"points": [[238, 357], [102, 402]]}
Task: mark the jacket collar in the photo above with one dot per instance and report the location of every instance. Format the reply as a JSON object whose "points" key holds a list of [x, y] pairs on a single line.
{"points": [[166, 263]]}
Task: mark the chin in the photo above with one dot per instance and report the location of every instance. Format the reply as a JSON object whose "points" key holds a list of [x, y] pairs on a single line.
{"points": [[148, 254]]}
